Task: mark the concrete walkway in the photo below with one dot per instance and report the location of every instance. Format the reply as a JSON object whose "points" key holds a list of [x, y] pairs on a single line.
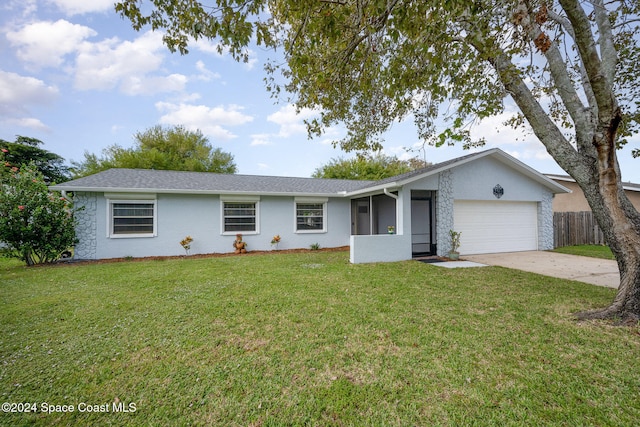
{"points": [[601, 272]]}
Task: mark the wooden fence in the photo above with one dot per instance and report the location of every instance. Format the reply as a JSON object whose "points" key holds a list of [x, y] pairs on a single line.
{"points": [[576, 228]]}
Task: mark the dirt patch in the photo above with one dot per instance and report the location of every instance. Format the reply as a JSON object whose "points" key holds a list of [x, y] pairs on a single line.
{"points": [[198, 256]]}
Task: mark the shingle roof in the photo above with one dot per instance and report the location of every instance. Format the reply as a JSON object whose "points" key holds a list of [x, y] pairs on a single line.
{"points": [[426, 170], [632, 186], [140, 180], [162, 181]]}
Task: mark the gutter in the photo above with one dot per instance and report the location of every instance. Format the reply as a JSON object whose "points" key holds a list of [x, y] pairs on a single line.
{"points": [[63, 188], [66, 197], [386, 191]]}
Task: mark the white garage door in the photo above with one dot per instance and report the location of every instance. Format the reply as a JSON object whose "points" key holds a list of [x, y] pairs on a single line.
{"points": [[494, 226]]}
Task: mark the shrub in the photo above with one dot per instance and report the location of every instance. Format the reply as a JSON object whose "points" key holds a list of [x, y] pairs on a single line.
{"points": [[36, 225]]}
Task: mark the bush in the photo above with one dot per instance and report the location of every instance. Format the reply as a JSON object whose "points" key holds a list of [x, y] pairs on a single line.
{"points": [[36, 225]]}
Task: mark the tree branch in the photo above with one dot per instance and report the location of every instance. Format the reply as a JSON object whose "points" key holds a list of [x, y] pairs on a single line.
{"points": [[566, 25], [602, 87], [543, 127], [378, 24], [607, 46], [558, 68]]}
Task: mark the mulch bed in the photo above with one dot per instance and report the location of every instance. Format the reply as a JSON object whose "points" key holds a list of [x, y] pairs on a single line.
{"points": [[197, 256]]}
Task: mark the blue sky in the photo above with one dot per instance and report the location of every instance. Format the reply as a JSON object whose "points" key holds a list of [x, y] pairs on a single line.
{"points": [[76, 76]]}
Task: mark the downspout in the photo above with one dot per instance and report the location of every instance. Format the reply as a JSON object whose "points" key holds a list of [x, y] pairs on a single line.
{"points": [[64, 194], [394, 196], [386, 191]]}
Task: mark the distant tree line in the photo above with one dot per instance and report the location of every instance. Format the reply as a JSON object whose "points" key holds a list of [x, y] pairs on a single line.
{"points": [[368, 167], [161, 148]]}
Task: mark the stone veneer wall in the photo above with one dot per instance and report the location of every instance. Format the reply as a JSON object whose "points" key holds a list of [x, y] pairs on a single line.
{"points": [[444, 212], [86, 228], [545, 222]]}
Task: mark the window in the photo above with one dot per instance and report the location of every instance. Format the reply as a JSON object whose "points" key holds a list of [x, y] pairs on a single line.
{"points": [[132, 218], [311, 216], [240, 217]]}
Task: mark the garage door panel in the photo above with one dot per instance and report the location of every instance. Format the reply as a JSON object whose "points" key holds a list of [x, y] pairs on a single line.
{"points": [[495, 226]]}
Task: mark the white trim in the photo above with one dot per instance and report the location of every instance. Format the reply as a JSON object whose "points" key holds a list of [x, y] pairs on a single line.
{"points": [[226, 193], [112, 235], [239, 198], [310, 200], [130, 196], [625, 185], [253, 200], [495, 153]]}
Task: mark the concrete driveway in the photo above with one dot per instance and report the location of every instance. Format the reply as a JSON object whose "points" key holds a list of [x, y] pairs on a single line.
{"points": [[601, 272]]}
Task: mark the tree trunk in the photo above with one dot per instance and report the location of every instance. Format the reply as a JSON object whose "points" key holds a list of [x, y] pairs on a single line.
{"points": [[27, 256], [592, 161], [620, 223]]}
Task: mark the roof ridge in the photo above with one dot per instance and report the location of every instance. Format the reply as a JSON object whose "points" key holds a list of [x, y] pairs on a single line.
{"points": [[228, 174], [171, 181]]}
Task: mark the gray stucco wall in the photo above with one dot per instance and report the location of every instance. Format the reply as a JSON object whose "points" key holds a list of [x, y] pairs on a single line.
{"points": [[545, 222], [86, 230], [475, 181], [379, 248], [200, 217], [444, 212]]}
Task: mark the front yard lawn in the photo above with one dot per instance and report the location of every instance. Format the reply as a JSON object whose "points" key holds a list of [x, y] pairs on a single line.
{"points": [[308, 339], [594, 251]]}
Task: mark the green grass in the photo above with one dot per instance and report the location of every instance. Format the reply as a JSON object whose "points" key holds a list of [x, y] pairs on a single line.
{"points": [[594, 251], [308, 339]]}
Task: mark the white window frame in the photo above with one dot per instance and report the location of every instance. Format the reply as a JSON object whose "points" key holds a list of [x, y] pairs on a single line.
{"points": [[239, 199], [310, 201], [130, 199]]}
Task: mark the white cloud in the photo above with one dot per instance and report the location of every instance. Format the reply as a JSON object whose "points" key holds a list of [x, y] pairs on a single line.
{"points": [[215, 48], [75, 7], [398, 151], [18, 93], [134, 85], [126, 65], [205, 74], [252, 60], [185, 98], [260, 139], [105, 65], [45, 44], [211, 121], [290, 121], [208, 46], [26, 7], [16, 90], [520, 143], [28, 123]]}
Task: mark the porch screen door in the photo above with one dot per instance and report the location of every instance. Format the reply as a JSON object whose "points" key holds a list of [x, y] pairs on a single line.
{"points": [[360, 211], [421, 225]]}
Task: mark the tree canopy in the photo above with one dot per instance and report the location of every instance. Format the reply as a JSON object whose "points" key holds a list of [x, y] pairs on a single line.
{"points": [[172, 148], [570, 66], [36, 225], [369, 63], [367, 167], [25, 150]]}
